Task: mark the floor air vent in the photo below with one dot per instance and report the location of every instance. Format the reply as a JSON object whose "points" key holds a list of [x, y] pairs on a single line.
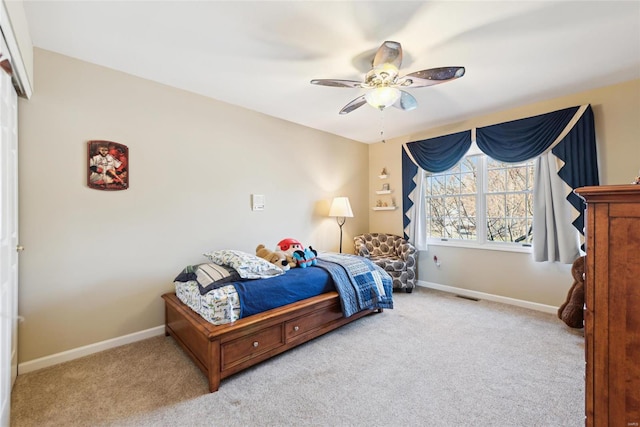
{"points": [[469, 298]]}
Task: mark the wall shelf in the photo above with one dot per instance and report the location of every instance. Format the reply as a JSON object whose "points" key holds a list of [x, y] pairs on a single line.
{"points": [[386, 203]]}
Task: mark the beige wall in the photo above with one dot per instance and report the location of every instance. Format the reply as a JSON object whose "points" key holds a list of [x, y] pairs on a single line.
{"points": [[514, 275], [96, 262]]}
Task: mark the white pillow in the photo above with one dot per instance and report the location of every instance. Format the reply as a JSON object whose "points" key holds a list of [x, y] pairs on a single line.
{"points": [[248, 266]]}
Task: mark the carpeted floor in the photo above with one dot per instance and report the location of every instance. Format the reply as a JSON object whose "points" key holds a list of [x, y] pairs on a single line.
{"points": [[434, 360]]}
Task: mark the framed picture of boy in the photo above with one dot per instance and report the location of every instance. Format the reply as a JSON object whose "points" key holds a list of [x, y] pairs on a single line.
{"points": [[108, 165]]}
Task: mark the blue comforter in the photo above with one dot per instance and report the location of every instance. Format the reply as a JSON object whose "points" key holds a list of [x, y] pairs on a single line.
{"points": [[296, 284], [360, 283]]}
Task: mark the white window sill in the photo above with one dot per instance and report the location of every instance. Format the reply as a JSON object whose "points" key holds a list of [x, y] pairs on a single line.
{"points": [[504, 247]]}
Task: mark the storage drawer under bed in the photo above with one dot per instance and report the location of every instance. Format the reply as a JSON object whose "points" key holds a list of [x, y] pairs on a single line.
{"points": [[245, 348], [298, 328]]}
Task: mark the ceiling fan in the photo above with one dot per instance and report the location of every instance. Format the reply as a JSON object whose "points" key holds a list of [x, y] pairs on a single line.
{"points": [[385, 84]]}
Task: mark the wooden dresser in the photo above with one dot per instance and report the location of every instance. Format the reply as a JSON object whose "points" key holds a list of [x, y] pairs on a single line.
{"points": [[612, 305]]}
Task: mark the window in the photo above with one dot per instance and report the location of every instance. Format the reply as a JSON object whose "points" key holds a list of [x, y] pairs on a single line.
{"points": [[482, 201]]}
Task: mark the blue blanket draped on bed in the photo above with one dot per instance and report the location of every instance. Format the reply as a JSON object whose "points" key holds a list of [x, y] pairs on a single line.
{"points": [[360, 283]]}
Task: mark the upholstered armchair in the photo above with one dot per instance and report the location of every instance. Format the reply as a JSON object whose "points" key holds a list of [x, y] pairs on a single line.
{"points": [[394, 254]]}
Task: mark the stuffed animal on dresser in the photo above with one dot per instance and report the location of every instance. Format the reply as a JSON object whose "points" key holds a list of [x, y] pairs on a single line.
{"points": [[572, 311]]}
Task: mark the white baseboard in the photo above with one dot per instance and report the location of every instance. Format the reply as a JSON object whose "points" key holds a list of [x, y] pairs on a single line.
{"points": [[76, 353], [490, 297]]}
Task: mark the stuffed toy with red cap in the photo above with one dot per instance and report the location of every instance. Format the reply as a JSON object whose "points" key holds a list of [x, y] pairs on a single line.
{"points": [[289, 246], [296, 251]]}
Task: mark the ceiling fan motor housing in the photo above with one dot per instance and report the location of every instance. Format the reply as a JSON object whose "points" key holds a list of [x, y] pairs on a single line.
{"points": [[383, 75]]}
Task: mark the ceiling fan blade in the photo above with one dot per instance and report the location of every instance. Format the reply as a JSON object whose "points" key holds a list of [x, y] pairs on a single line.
{"points": [[356, 103], [388, 53], [433, 76], [337, 83], [406, 101]]}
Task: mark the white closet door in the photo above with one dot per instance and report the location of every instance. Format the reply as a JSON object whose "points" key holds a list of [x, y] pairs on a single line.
{"points": [[8, 242]]}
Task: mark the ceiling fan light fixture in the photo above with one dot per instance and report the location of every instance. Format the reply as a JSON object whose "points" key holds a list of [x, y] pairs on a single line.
{"points": [[382, 97], [383, 82]]}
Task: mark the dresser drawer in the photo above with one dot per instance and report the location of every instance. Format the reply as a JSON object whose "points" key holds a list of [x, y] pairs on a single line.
{"points": [[246, 348], [299, 327]]}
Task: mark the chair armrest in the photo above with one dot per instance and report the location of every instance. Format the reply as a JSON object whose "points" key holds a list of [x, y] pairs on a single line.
{"points": [[407, 250], [361, 248]]}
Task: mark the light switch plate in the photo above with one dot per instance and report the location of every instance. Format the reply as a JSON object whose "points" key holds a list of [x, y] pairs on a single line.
{"points": [[257, 202]]}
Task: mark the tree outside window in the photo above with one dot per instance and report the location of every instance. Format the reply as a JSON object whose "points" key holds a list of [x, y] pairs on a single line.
{"points": [[481, 200]]}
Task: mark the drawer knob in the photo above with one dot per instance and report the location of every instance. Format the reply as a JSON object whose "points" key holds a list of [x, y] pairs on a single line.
{"points": [[255, 343], [296, 328]]}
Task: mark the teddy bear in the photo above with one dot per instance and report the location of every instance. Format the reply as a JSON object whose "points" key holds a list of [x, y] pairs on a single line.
{"points": [[571, 311], [276, 258]]}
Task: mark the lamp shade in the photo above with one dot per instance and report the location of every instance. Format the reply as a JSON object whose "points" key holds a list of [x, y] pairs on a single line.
{"points": [[340, 207]]}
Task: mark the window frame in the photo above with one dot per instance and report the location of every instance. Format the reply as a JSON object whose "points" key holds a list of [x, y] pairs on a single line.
{"points": [[481, 228]]}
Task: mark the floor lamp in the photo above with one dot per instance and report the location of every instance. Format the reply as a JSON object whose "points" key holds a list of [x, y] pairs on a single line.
{"points": [[341, 209]]}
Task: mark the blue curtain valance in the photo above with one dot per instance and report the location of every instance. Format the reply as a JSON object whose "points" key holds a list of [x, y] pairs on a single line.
{"points": [[441, 153], [523, 139]]}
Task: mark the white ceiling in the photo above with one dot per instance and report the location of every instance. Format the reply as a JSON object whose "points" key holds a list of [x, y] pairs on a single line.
{"points": [[261, 55]]}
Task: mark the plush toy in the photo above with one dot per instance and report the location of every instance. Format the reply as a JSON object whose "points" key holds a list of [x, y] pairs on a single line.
{"points": [[291, 262], [310, 255], [572, 311], [306, 258], [289, 246], [299, 255], [276, 258]]}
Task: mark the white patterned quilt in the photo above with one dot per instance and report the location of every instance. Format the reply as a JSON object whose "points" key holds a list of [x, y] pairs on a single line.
{"points": [[219, 306]]}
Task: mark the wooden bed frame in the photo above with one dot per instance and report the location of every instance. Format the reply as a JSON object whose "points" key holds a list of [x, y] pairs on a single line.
{"points": [[223, 350]]}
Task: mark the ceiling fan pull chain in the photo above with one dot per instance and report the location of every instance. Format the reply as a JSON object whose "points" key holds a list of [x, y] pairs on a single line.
{"points": [[382, 126]]}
